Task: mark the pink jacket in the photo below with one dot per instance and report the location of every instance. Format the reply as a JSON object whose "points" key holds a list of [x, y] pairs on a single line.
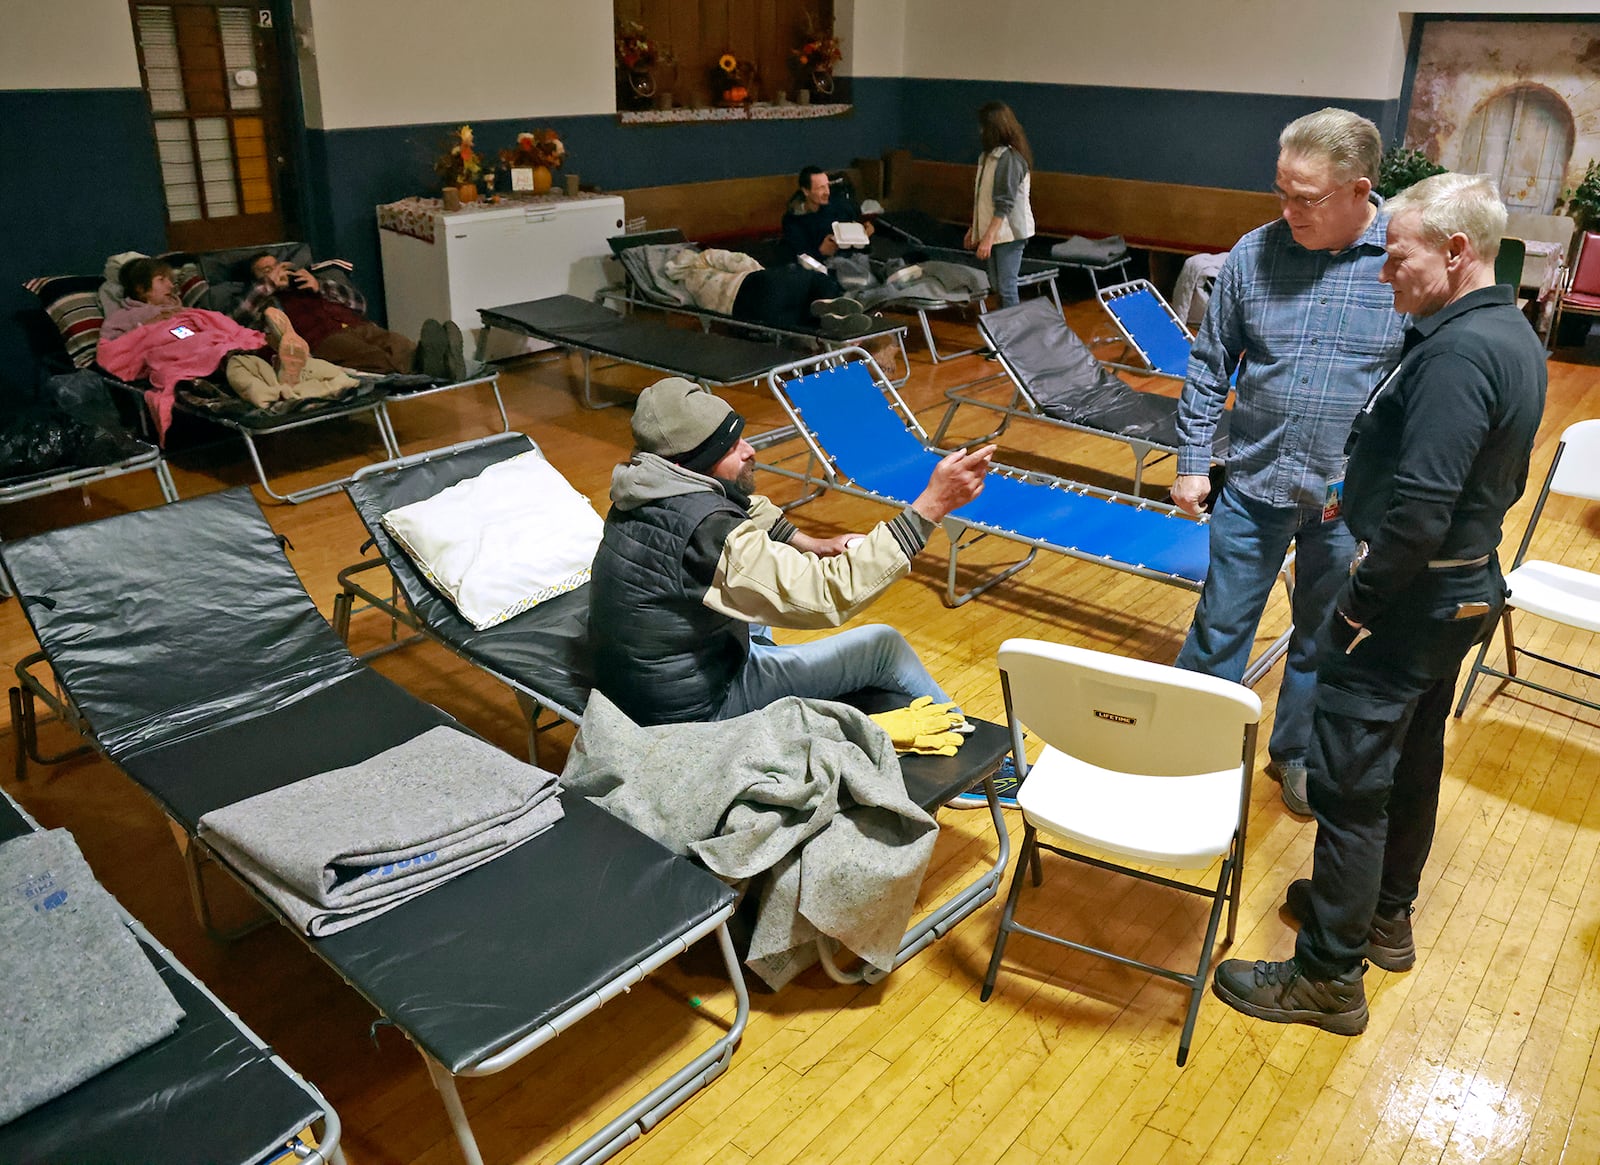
{"points": [[154, 352]]}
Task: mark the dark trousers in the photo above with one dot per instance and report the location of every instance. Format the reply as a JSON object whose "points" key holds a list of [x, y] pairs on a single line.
{"points": [[1377, 757], [368, 348], [782, 296]]}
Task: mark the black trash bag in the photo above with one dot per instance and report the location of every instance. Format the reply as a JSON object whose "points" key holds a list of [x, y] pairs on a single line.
{"points": [[98, 433], [35, 439]]}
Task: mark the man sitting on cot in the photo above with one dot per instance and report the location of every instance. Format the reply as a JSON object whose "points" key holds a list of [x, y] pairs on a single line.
{"points": [[694, 569]]}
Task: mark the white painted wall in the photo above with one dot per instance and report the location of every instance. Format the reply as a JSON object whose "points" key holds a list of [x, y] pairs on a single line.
{"points": [[1341, 48], [67, 44], [399, 62], [874, 35]]}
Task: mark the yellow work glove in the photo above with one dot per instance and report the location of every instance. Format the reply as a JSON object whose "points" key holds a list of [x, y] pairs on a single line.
{"points": [[922, 727]]}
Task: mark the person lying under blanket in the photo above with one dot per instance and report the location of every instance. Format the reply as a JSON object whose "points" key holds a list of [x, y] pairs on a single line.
{"points": [[155, 337]]}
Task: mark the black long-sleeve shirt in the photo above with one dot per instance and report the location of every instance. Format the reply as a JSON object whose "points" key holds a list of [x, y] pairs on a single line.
{"points": [[1440, 453]]}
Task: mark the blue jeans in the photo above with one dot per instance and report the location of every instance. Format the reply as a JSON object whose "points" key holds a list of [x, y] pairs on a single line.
{"points": [[874, 656], [1005, 261], [1248, 542]]}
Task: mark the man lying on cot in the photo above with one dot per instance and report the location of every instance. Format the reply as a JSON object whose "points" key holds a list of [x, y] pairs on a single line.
{"points": [[156, 337], [693, 569]]}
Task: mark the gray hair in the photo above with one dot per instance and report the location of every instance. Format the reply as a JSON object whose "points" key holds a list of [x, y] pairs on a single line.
{"points": [[1349, 141], [1449, 204]]}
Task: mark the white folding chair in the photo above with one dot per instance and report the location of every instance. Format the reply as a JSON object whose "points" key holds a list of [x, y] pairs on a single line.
{"points": [[1142, 763], [1566, 594]]}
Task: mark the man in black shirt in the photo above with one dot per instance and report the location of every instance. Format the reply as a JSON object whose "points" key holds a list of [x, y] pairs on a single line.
{"points": [[1435, 459], [808, 220]]}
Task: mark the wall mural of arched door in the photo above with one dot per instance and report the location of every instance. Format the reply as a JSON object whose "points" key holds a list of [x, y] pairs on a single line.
{"points": [[213, 78], [1522, 138]]}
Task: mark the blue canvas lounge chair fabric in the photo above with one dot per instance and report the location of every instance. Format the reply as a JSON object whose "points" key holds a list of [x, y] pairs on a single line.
{"points": [[210, 1092], [1150, 327], [1057, 379], [260, 693]]}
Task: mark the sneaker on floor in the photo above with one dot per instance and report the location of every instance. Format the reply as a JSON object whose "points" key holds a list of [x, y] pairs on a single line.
{"points": [[1292, 776], [431, 345], [839, 306], [1006, 784], [846, 327], [455, 352], [1283, 993], [1390, 943]]}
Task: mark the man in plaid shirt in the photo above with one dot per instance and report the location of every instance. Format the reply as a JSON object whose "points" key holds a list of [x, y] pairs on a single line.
{"points": [[331, 315], [1299, 313]]}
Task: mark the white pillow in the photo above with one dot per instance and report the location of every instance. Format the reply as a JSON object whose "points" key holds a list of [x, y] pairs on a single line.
{"points": [[501, 542]]}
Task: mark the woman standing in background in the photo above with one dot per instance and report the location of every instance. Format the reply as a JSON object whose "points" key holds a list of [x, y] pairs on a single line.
{"points": [[1002, 218]]}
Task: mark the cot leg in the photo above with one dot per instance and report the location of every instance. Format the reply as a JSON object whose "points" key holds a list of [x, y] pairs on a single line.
{"points": [[927, 334], [588, 389], [445, 1084], [954, 598], [19, 761], [169, 490]]}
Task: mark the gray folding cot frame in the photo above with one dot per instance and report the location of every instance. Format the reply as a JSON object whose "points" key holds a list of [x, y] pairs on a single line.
{"points": [[250, 426], [413, 603], [213, 1058], [501, 986]]}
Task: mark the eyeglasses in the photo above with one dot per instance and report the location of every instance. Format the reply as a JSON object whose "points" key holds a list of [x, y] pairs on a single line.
{"points": [[1302, 203]]}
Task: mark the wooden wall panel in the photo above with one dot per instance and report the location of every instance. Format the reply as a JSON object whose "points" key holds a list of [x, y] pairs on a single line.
{"points": [[699, 31]]}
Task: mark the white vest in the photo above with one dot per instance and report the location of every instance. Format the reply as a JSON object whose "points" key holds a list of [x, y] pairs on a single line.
{"points": [[1019, 223]]}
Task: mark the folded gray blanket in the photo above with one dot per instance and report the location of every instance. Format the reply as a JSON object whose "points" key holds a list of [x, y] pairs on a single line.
{"points": [[344, 846], [1078, 249], [806, 789], [77, 993]]}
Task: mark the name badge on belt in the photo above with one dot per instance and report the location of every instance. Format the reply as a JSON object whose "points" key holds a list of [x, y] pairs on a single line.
{"points": [[1333, 501]]}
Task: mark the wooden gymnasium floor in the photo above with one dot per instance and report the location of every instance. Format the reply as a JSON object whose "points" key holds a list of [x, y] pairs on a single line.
{"points": [[1484, 1052]]}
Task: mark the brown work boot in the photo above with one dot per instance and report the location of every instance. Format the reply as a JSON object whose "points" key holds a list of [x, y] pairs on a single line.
{"points": [[1390, 944], [1283, 993]]}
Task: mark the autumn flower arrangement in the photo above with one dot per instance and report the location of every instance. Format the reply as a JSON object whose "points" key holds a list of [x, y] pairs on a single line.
{"points": [[541, 147], [818, 51], [461, 163], [635, 50], [733, 78]]}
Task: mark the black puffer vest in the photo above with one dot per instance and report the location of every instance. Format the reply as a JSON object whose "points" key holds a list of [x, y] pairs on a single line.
{"points": [[661, 655]]}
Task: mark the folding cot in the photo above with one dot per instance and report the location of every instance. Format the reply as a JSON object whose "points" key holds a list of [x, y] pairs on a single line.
{"points": [[212, 1091], [1057, 380], [863, 440], [542, 654], [593, 330], [72, 304], [639, 290], [260, 693], [1150, 327], [902, 227]]}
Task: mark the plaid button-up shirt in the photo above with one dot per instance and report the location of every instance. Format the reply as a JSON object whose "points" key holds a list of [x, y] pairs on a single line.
{"points": [[1311, 333]]}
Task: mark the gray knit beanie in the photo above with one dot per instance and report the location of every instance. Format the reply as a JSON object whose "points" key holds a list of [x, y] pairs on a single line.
{"points": [[679, 420]]}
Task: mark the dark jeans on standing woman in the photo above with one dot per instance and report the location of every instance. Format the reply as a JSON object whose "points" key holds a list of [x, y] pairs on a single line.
{"points": [[1005, 262]]}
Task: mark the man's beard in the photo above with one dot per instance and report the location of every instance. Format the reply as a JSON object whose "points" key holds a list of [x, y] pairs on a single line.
{"points": [[746, 480]]}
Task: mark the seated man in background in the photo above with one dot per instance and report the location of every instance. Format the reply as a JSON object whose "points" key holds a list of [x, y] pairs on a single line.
{"points": [[808, 223], [693, 569], [331, 315]]}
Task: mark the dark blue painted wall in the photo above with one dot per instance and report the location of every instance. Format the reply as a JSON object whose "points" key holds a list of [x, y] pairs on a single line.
{"points": [[71, 218], [81, 183]]}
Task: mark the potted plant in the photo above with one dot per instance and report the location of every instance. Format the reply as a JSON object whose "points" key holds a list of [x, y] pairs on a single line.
{"points": [[814, 60], [538, 151], [637, 59], [1401, 168]]}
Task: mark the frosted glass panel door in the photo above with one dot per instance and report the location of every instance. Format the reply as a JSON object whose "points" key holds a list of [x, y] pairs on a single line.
{"points": [[210, 71]]}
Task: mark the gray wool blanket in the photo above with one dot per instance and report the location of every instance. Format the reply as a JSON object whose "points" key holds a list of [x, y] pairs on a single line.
{"points": [[807, 791], [344, 846], [79, 993]]}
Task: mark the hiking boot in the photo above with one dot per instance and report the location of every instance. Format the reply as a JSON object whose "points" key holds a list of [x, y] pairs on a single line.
{"points": [[432, 343], [455, 357], [1283, 993], [1292, 776], [1390, 944], [840, 306]]}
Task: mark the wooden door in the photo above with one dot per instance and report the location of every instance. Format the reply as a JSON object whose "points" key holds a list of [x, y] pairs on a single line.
{"points": [[212, 76]]}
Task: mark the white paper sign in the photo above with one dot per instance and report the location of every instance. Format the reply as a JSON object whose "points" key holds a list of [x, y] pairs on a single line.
{"points": [[522, 178]]}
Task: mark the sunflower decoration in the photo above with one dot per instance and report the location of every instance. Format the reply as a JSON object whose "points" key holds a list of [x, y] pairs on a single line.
{"points": [[733, 79]]}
